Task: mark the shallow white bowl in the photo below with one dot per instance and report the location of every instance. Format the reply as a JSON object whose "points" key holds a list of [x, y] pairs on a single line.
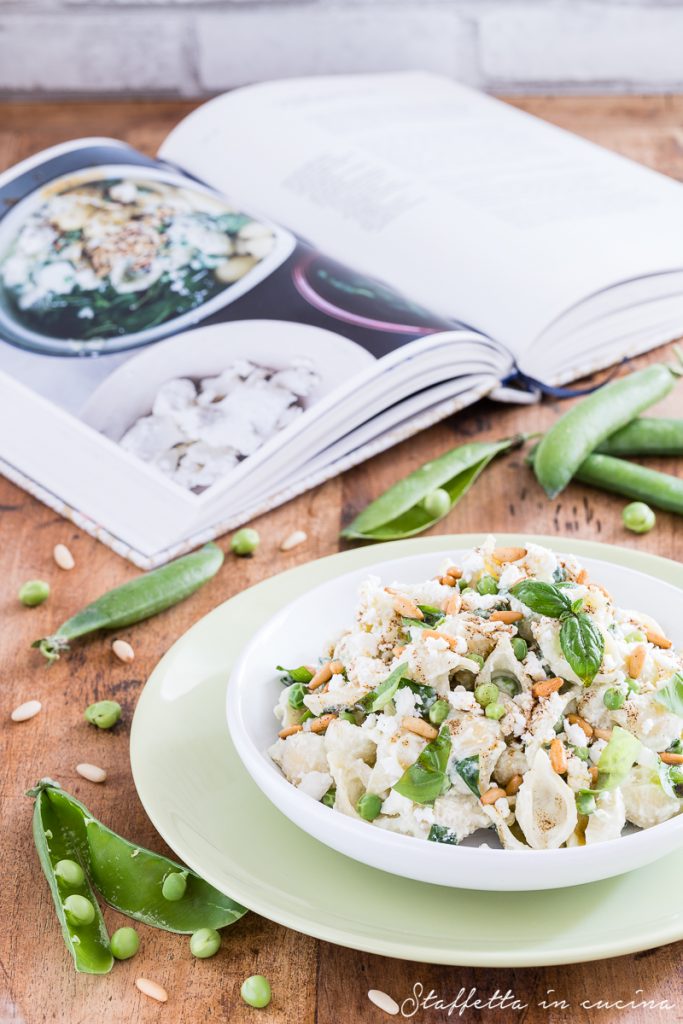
{"points": [[298, 633]]}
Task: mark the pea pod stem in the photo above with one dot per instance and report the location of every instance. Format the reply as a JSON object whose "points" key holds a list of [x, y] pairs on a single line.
{"points": [[139, 599], [645, 436]]}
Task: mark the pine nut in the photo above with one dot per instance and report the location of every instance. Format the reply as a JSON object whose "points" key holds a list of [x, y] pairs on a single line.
{"points": [[420, 728], [454, 604], [123, 651], [493, 794], [398, 650], [669, 758], [453, 571], [404, 605], [658, 639], [513, 785], [322, 723], [63, 557], [582, 578], [547, 686], [293, 540], [582, 724], [91, 772], [593, 770], [29, 709], [635, 661], [151, 989], [383, 1001], [558, 756], [325, 673], [506, 616], [289, 731], [447, 581], [435, 634], [602, 734], [502, 555]]}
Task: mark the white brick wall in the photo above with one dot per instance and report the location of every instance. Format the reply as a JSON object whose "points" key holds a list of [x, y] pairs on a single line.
{"points": [[196, 47]]}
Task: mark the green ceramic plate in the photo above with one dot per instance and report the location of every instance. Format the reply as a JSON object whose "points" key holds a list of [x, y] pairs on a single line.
{"points": [[206, 807]]}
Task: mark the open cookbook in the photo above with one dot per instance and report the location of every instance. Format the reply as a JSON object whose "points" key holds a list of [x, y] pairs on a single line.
{"points": [[308, 272]]}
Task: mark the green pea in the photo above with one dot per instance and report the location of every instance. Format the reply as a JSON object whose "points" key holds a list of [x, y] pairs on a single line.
{"points": [[104, 714], [635, 637], [369, 806], [69, 872], [462, 584], [437, 503], [348, 716], [582, 753], [613, 699], [329, 797], [245, 541], [173, 886], [632, 685], [494, 711], [638, 517], [487, 585], [256, 991], [34, 592], [469, 590], [296, 695], [79, 910], [205, 943], [476, 658], [519, 647], [125, 943], [585, 802], [486, 694], [438, 711]]}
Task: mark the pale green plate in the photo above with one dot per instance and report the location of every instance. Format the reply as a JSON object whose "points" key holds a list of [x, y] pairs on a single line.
{"points": [[206, 807]]}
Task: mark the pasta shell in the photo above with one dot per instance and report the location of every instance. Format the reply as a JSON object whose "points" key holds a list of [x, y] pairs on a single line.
{"points": [[545, 809]]}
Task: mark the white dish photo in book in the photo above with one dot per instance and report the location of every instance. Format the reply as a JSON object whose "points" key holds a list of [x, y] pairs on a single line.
{"points": [[202, 338]]}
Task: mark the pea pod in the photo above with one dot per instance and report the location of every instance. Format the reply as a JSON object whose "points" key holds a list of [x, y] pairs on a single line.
{"points": [[646, 437], [139, 599], [633, 481], [87, 943], [579, 432], [401, 512], [131, 878]]}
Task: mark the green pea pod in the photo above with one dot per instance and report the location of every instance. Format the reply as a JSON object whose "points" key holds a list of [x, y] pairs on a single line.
{"points": [[139, 599], [579, 432], [633, 481], [87, 943], [399, 513], [645, 437], [130, 878]]}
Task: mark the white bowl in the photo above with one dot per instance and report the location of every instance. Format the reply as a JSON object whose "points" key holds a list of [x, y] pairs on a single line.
{"points": [[298, 633]]}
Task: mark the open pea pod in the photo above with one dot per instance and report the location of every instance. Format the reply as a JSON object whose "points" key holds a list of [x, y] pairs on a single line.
{"points": [[130, 878], [87, 943], [399, 512]]}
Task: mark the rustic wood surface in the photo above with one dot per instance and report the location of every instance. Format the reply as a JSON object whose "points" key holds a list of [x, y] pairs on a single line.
{"points": [[312, 981]]}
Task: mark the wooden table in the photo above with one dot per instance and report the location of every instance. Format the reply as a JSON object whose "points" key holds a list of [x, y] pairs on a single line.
{"points": [[312, 981]]}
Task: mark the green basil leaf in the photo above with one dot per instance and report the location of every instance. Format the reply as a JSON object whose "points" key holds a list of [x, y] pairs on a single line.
{"points": [[296, 675], [671, 695], [468, 770], [426, 779], [376, 699], [582, 645], [433, 617], [398, 513], [425, 696], [542, 598], [441, 834], [617, 759]]}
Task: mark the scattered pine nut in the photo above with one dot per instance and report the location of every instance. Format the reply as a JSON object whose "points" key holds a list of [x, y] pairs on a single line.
{"points": [[636, 660], [29, 709], [289, 731], [63, 557], [123, 650], [320, 724], [420, 728], [398, 650], [493, 794], [151, 989], [513, 785], [669, 758], [454, 604], [547, 686], [447, 581], [594, 773], [582, 724], [502, 555], [91, 772], [383, 1001], [582, 578], [404, 605], [293, 540], [558, 756], [658, 639], [325, 673], [506, 616], [602, 734], [435, 634], [453, 571]]}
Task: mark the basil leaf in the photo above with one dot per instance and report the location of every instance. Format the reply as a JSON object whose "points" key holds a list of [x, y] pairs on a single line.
{"points": [[433, 617], [296, 675], [425, 696], [422, 623], [671, 695], [382, 694], [542, 598], [670, 779], [617, 759], [441, 834], [468, 770], [583, 645], [426, 779], [398, 513]]}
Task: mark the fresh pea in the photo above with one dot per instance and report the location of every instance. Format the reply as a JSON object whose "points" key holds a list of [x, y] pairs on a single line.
{"points": [[70, 873], [575, 435], [638, 517], [205, 942], [519, 647], [400, 511], [613, 699], [632, 685], [585, 802], [125, 942], [645, 436], [582, 753], [438, 711], [174, 886], [79, 910], [369, 806], [437, 503], [104, 714], [34, 592], [635, 637], [508, 684], [256, 991], [329, 797], [486, 694], [632, 481], [476, 658], [245, 541], [348, 716], [140, 598], [494, 711], [487, 585]]}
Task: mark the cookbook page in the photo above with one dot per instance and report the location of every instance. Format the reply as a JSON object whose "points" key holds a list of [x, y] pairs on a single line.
{"points": [[478, 210]]}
